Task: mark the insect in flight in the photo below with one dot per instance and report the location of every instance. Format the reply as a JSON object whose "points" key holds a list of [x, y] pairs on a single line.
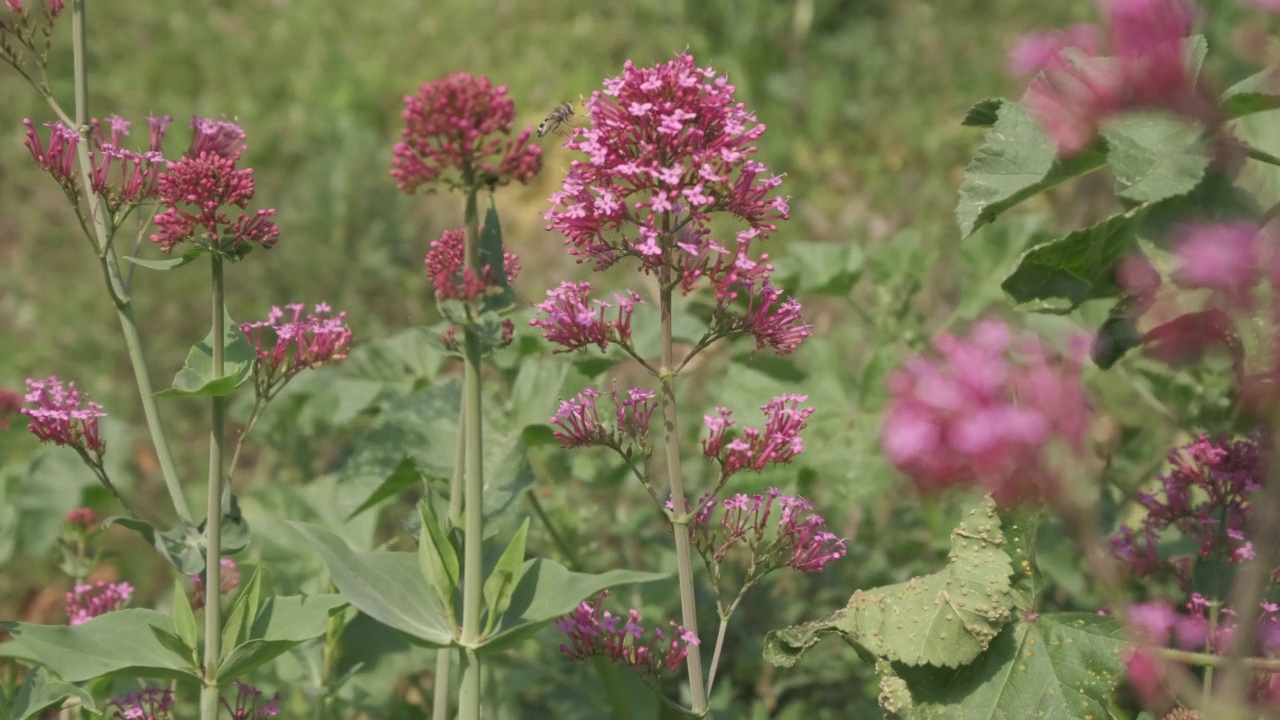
{"points": [[559, 116]]}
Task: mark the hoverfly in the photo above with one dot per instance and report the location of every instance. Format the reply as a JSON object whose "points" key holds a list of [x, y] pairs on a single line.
{"points": [[559, 116]]}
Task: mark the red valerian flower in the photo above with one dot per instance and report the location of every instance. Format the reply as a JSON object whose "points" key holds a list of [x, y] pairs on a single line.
{"points": [[570, 322], [146, 704], [578, 421], [593, 631], [286, 347], [63, 416], [451, 280], [800, 541], [462, 124], [88, 601], [777, 442]]}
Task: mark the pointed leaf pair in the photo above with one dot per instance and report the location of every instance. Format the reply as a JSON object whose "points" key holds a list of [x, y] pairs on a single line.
{"points": [[196, 378]]}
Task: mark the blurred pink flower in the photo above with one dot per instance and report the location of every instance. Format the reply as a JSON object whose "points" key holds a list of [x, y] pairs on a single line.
{"points": [[62, 416], [462, 123], [570, 322], [251, 703], [10, 404], [985, 412], [88, 601], [228, 580], [451, 280], [593, 631], [146, 704], [83, 519], [1223, 257]]}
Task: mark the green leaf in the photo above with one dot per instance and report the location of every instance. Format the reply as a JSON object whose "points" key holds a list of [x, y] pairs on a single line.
{"points": [[945, 619], [1058, 275], [184, 620], [1116, 336], [536, 392], [812, 268], [546, 591], [183, 546], [983, 113], [387, 586], [501, 583], [196, 378], [1254, 94], [1021, 526], [1215, 199], [41, 692], [119, 642], [502, 298], [1062, 665], [281, 623], [169, 263], [437, 558], [243, 613], [1154, 156], [235, 529], [1015, 162]]}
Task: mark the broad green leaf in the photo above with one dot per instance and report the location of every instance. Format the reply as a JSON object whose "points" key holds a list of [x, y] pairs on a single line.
{"points": [[184, 620], [1058, 275], [386, 586], [235, 529], [548, 590], [196, 378], [281, 623], [1215, 199], [536, 392], [119, 642], [169, 263], [944, 619], [1154, 156], [397, 361], [1062, 665], [40, 692], [814, 268], [1257, 93], [1116, 336], [243, 613], [183, 546], [1015, 162], [983, 113], [501, 583], [436, 558], [491, 253], [1021, 526]]}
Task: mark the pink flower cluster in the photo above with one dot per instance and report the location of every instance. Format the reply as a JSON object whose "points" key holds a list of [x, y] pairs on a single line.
{"points": [[89, 600], [800, 543], [146, 704], [773, 324], [1225, 258], [10, 404], [985, 413], [228, 580], [123, 177], [197, 188], [83, 520], [578, 420], [250, 703], [756, 448], [668, 146], [62, 416], [1206, 497], [451, 280], [572, 323], [593, 631], [286, 347], [1078, 88], [462, 123]]}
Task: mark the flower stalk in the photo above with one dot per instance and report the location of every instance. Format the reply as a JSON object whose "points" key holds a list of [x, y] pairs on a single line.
{"points": [[213, 500]]}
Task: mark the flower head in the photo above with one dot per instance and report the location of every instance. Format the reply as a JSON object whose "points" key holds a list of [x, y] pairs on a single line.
{"points": [[251, 703], [146, 704], [62, 416], [89, 600], [594, 631], [228, 580], [458, 132], [451, 280], [1222, 257], [570, 322], [773, 324], [83, 519], [756, 448], [198, 188], [985, 413], [667, 147], [799, 542], [286, 347], [578, 422]]}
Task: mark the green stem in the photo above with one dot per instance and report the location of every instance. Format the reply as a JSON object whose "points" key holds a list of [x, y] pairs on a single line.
{"points": [[680, 520], [473, 507], [103, 233], [440, 701], [459, 466], [213, 521], [1261, 155]]}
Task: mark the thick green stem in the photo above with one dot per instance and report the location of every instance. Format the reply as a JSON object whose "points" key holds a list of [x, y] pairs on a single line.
{"points": [[440, 702], [684, 549], [103, 231], [213, 522], [473, 500]]}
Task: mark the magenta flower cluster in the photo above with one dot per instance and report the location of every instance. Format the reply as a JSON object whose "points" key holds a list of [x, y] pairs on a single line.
{"points": [[83, 520], [462, 123], [985, 414], [594, 631], [757, 448], [1206, 497], [288, 344], [578, 422], [800, 542], [572, 321], [89, 600], [452, 281], [145, 704], [60, 414], [251, 703], [123, 177], [198, 188], [228, 580]]}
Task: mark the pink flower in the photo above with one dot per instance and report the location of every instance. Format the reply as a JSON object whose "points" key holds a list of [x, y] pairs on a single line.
{"points": [[250, 703], [83, 519], [197, 188], [62, 416], [10, 404], [287, 347], [668, 146], [124, 177], [88, 601], [1223, 257], [228, 580], [59, 157], [578, 420], [773, 324], [146, 704], [800, 542], [453, 281], [593, 631], [757, 448], [984, 413], [462, 124], [571, 323], [1037, 51]]}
